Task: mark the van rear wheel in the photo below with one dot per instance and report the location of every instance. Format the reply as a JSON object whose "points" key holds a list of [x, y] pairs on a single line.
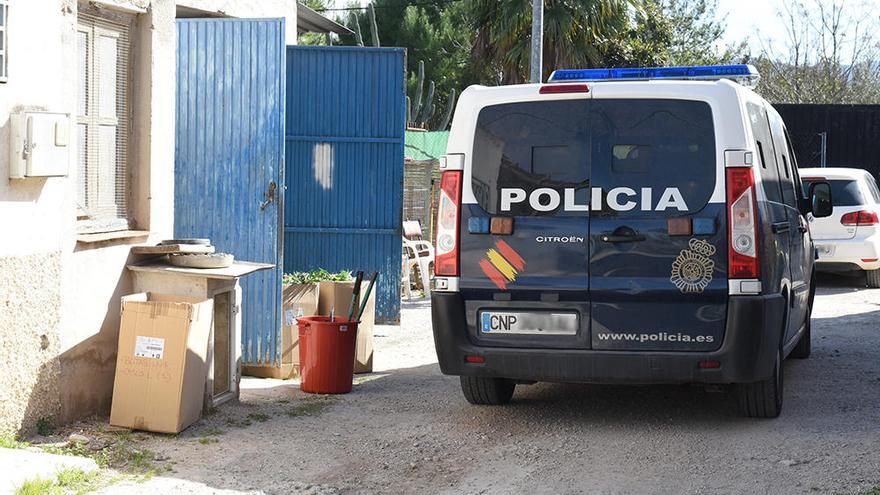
{"points": [[873, 278], [804, 346], [485, 391], [763, 399]]}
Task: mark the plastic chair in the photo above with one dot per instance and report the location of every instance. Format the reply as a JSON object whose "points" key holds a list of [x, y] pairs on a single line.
{"points": [[420, 253], [405, 278]]}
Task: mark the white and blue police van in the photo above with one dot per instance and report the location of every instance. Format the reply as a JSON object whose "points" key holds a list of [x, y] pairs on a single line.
{"points": [[616, 226]]}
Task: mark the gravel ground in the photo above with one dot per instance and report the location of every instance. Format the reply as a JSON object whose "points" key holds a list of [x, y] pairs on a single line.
{"points": [[407, 429]]}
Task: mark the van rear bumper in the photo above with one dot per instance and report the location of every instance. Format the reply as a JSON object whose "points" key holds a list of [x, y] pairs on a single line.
{"points": [[748, 353]]}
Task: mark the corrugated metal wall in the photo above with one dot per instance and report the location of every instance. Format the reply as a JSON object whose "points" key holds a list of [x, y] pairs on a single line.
{"points": [[229, 147], [853, 134], [345, 143]]}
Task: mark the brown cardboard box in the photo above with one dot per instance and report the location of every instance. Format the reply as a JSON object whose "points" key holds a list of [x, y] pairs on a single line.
{"points": [[337, 296], [296, 300], [161, 367]]}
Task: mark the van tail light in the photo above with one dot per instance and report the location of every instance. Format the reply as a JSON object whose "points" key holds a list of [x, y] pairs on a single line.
{"points": [[857, 218], [448, 221], [555, 89], [742, 224]]}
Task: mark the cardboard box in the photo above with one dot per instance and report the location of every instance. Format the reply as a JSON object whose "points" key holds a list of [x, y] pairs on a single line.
{"points": [[296, 300], [337, 296], [161, 367]]}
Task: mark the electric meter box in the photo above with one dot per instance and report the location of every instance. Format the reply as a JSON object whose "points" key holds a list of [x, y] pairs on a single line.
{"points": [[40, 144]]}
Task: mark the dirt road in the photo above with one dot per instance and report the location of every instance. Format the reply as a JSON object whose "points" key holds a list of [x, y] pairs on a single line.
{"points": [[407, 429]]}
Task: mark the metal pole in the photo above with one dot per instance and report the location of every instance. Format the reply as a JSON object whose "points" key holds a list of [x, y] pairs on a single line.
{"points": [[824, 149], [537, 40]]}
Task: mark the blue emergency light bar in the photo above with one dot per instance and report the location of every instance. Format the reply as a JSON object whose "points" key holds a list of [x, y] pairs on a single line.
{"points": [[742, 73]]}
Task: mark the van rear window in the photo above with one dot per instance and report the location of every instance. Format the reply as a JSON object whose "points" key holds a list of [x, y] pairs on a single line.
{"points": [[619, 157], [529, 146]]}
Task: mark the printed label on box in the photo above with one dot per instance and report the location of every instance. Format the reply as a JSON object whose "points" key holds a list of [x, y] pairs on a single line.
{"points": [[149, 347]]}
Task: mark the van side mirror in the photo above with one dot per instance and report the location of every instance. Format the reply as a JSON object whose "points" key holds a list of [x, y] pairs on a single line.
{"points": [[820, 199]]}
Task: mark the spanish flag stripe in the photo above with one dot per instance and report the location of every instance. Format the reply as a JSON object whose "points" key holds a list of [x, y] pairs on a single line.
{"points": [[512, 256], [494, 275], [501, 264]]}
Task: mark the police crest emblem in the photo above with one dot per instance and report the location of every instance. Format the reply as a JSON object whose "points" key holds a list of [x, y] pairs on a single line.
{"points": [[692, 269]]}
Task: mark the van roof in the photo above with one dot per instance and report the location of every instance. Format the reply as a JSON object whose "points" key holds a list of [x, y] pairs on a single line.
{"points": [[661, 88], [833, 172]]}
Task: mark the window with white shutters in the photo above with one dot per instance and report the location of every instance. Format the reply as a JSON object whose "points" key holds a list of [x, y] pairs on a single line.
{"points": [[103, 52], [4, 22]]}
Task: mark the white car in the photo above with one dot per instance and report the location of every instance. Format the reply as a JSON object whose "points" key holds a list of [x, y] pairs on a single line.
{"points": [[850, 238]]}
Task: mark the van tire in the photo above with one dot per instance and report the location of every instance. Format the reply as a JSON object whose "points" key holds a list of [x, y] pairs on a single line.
{"points": [[873, 278], [484, 391], [804, 346], [763, 399]]}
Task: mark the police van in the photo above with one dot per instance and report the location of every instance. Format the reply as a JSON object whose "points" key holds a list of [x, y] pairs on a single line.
{"points": [[638, 226]]}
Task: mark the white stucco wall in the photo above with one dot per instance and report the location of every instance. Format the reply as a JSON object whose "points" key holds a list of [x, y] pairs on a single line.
{"points": [[31, 218], [59, 298], [35, 222], [251, 9]]}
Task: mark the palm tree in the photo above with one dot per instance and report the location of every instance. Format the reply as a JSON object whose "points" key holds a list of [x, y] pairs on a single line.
{"points": [[575, 32]]}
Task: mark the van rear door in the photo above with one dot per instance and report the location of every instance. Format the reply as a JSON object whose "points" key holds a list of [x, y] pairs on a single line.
{"points": [[658, 245], [524, 247]]}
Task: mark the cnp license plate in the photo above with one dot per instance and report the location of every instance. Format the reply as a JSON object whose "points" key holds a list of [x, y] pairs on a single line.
{"points": [[528, 323]]}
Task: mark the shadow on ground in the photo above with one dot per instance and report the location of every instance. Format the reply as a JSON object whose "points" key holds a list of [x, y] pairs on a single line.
{"points": [[409, 430]]}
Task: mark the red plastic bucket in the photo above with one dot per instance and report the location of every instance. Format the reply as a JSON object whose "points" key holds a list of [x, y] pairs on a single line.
{"points": [[326, 354]]}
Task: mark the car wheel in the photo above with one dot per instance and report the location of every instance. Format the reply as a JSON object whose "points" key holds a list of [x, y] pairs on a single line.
{"points": [[873, 278], [487, 391], [763, 399]]}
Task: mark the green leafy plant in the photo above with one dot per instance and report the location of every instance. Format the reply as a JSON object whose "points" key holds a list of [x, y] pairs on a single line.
{"points": [[8, 441], [356, 27], [315, 276], [75, 480], [37, 486], [374, 29], [121, 454], [259, 417], [311, 406], [46, 426], [68, 481], [420, 113]]}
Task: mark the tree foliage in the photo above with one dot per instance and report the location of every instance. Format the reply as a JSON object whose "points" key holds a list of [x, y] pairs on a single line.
{"points": [[696, 32], [437, 34], [576, 34], [488, 41], [828, 55]]}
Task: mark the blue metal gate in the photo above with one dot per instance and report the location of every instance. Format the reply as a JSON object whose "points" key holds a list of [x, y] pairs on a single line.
{"points": [[344, 173], [229, 159]]}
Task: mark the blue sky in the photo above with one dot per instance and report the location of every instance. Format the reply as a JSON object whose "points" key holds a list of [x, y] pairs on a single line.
{"points": [[749, 20]]}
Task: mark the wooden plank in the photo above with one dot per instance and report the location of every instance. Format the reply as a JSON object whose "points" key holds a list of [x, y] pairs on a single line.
{"points": [[111, 236], [173, 249], [238, 269]]}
